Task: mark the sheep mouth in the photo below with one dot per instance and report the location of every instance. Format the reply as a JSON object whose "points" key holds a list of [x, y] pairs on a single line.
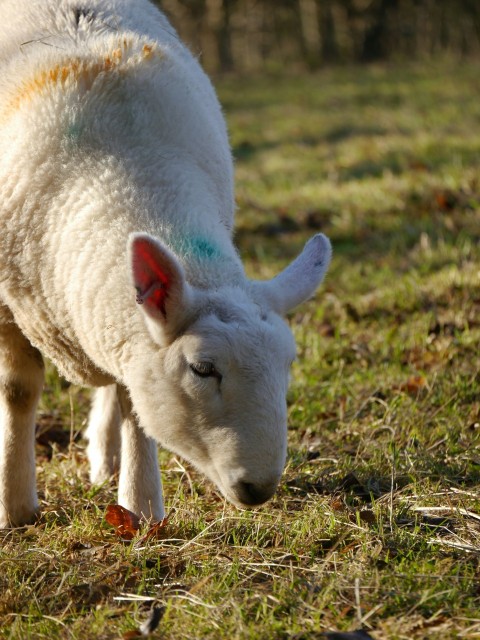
{"points": [[246, 495], [254, 495]]}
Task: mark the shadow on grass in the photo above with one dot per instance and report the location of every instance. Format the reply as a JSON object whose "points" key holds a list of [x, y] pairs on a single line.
{"points": [[442, 215], [245, 150], [363, 489], [288, 236]]}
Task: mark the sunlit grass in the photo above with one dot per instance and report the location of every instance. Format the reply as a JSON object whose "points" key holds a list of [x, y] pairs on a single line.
{"points": [[377, 520]]}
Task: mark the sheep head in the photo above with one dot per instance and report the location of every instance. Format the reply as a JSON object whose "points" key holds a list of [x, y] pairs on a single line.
{"points": [[212, 387]]}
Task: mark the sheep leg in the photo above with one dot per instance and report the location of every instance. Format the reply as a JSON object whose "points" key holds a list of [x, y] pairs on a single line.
{"points": [[103, 434], [21, 383], [139, 485]]}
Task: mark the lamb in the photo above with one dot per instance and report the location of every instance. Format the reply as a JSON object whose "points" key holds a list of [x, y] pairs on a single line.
{"points": [[117, 260]]}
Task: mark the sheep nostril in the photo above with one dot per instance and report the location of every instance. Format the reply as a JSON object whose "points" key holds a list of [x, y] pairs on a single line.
{"points": [[254, 494]]}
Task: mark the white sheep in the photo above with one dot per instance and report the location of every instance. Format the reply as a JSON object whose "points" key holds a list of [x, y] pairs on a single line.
{"points": [[115, 173]]}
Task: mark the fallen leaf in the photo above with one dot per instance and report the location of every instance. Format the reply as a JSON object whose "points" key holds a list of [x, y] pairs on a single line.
{"points": [[155, 532], [414, 384], [419, 165], [326, 329], [125, 522], [446, 200], [337, 504]]}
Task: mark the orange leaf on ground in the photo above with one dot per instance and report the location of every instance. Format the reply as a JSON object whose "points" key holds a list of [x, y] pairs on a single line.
{"points": [[125, 522], [156, 530], [133, 633], [414, 384]]}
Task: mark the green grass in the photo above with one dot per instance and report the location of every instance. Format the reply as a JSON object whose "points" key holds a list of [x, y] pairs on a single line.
{"points": [[377, 520]]}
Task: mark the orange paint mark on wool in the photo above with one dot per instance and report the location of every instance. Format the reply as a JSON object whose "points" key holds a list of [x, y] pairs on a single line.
{"points": [[81, 71], [147, 51], [77, 70]]}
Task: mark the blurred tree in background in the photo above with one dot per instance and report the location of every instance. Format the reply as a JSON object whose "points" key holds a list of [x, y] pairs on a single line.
{"points": [[246, 35]]}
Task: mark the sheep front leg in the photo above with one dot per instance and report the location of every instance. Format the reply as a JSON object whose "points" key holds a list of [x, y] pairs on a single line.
{"points": [[140, 485], [21, 383], [103, 434]]}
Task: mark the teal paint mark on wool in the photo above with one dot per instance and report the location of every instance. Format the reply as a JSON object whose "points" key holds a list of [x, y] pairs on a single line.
{"points": [[198, 247], [74, 132], [201, 248]]}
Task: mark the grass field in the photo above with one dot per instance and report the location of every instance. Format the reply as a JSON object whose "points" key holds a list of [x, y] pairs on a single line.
{"points": [[377, 521]]}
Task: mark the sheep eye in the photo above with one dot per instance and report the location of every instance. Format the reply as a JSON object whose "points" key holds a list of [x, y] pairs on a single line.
{"points": [[205, 370]]}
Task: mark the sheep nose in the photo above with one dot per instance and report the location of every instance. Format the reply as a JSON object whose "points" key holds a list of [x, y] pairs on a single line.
{"points": [[251, 494]]}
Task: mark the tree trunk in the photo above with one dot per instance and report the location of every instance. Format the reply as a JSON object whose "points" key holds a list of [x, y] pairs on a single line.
{"points": [[310, 31], [376, 41]]}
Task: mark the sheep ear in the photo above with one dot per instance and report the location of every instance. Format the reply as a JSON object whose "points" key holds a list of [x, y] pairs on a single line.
{"points": [[163, 294], [299, 281]]}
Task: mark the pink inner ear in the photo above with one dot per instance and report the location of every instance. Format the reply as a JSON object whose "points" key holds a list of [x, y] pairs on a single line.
{"points": [[151, 281]]}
